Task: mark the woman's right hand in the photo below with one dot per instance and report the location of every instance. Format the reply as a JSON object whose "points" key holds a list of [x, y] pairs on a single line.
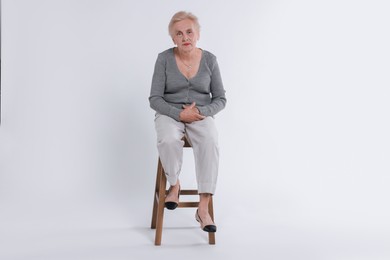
{"points": [[190, 114]]}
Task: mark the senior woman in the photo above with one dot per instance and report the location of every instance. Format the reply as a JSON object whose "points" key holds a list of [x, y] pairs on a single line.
{"points": [[186, 93]]}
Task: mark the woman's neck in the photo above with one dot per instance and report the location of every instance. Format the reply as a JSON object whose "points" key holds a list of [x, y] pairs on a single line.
{"points": [[187, 55]]}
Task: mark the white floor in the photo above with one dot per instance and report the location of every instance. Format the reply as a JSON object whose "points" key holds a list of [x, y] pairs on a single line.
{"points": [[88, 230]]}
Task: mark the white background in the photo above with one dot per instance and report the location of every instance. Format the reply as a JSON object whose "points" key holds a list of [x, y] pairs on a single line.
{"points": [[304, 138]]}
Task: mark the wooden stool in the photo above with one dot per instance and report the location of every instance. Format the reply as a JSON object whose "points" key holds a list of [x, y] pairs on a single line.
{"points": [[159, 202]]}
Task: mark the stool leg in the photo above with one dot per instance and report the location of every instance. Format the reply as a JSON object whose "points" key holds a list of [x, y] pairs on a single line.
{"points": [[211, 212], [161, 204], [155, 197]]}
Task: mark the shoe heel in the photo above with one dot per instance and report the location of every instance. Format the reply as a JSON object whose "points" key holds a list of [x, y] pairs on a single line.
{"points": [[197, 216]]}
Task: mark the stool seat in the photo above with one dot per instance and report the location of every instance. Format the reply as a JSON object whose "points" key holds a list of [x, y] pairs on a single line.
{"points": [[159, 202]]}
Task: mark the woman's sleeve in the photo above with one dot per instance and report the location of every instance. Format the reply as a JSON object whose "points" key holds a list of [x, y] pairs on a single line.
{"points": [[218, 99], [156, 98]]}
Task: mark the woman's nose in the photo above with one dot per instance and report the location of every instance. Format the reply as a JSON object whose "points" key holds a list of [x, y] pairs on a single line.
{"points": [[186, 38]]}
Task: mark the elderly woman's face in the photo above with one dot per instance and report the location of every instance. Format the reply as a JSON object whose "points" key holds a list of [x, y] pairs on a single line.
{"points": [[185, 35]]}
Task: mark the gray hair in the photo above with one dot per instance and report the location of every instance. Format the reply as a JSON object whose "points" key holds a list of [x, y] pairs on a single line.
{"points": [[180, 16]]}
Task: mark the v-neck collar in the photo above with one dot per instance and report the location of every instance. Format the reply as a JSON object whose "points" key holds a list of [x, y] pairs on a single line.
{"points": [[177, 67]]}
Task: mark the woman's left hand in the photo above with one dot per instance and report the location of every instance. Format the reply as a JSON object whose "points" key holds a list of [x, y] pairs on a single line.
{"points": [[190, 114]]}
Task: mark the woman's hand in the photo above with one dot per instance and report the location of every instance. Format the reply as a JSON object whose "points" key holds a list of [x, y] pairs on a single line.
{"points": [[190, 114]]}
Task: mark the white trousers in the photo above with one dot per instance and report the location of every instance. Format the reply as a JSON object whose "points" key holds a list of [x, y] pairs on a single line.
{"points": [[203, 137]]}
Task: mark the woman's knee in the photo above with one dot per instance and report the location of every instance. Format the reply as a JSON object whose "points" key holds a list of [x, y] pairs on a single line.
{"points": [[169, 140]]}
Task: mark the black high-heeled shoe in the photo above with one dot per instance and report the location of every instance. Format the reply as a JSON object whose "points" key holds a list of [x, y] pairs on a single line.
{"points": [[208, 228], [171, 205]]}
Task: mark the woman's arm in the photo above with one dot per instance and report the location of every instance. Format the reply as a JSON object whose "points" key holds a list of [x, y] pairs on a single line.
{"points": [[218, 99], [156, 98]]}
